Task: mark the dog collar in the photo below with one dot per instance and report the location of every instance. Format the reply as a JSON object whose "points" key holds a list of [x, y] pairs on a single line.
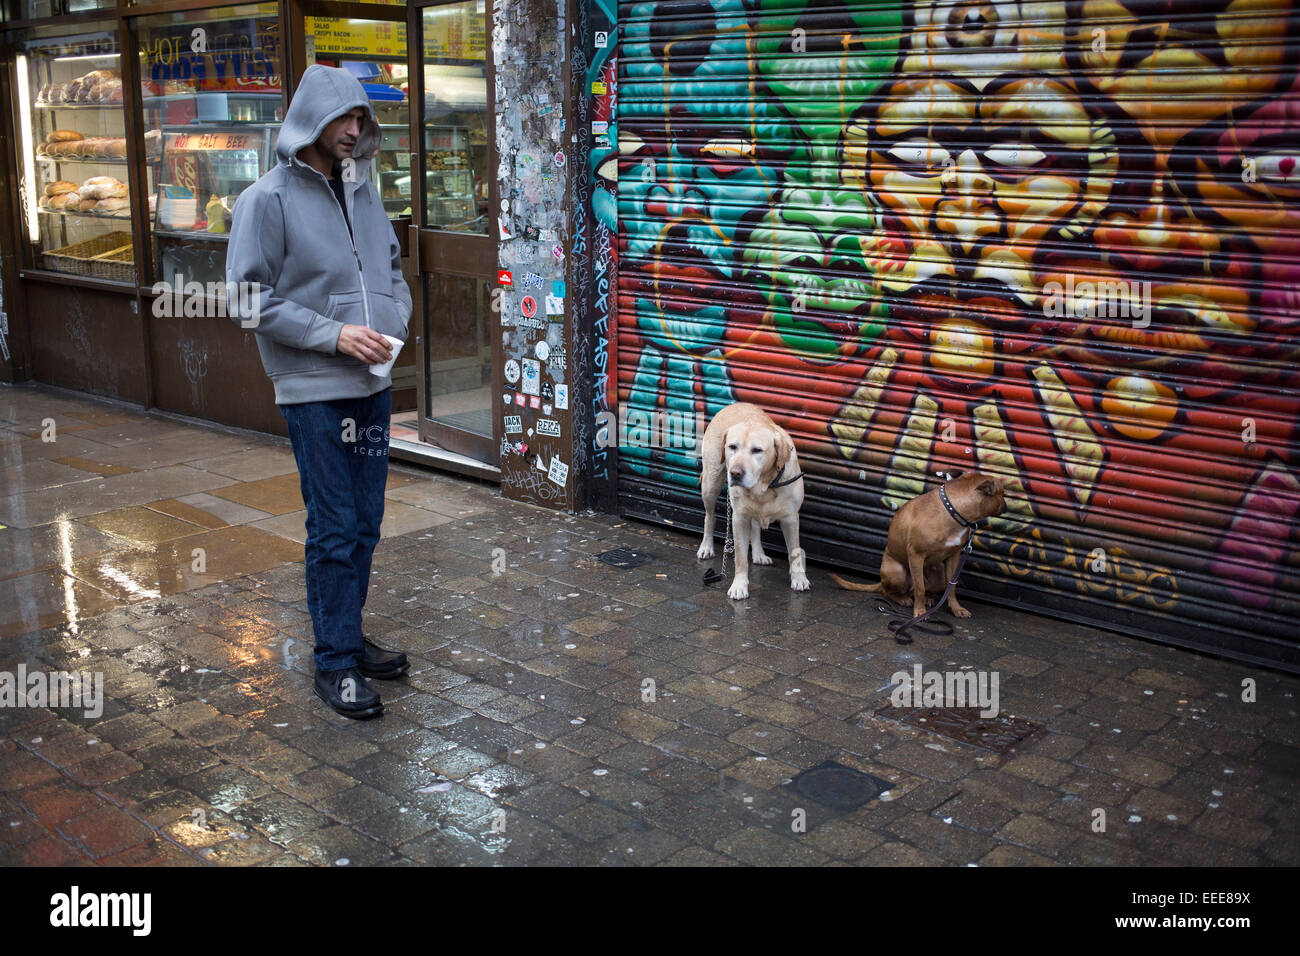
{"points": [[956, 515], [778, 483]]}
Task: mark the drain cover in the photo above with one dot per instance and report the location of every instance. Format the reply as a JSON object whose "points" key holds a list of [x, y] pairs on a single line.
{"points": [[964, 724], [625, 558], [839, 787]]}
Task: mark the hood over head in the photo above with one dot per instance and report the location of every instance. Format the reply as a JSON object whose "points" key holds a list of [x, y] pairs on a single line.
{"points": [[325, 94]]}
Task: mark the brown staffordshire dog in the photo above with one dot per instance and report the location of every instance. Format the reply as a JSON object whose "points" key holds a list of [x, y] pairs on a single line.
{"points": [[925, 541]]}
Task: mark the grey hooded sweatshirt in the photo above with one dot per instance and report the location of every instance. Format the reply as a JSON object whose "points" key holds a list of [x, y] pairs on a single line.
{"points": [[289, 236]]}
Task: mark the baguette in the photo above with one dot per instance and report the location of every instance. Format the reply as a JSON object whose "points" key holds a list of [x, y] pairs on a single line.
{"points": [[102, 187], [63, 136]]}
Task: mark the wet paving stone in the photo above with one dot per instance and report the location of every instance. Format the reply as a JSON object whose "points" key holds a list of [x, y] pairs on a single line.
{"points": [[526, 732]]}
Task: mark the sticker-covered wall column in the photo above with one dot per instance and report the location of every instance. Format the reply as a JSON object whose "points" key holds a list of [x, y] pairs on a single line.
{"points": [[534, 239]]}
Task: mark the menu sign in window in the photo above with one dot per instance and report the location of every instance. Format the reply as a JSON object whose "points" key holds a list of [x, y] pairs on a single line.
{"points": [[219, 141]]}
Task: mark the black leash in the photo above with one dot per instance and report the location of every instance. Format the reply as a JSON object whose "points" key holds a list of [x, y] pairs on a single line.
{"points": [[907, 622]]}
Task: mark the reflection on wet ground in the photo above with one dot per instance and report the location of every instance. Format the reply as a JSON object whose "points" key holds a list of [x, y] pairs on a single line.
{"points": [[559, 709]]}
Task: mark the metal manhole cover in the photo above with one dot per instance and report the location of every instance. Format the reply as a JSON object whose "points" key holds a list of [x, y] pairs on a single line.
{"points": [[839, 787], [625, 558], [964, 724]]}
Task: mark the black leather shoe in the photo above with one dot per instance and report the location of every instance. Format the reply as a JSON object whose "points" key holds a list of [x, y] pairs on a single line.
{"points": [[381, 664], [346, 692]]}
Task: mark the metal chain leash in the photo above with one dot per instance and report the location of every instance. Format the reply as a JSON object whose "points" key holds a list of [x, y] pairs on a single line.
{"points": [[728, 547]]}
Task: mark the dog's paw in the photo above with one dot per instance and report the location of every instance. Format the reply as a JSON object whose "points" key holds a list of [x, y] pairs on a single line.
{"points": [[705, 552], [739, 590], [960, 612], [799, 582], [760, 558]]}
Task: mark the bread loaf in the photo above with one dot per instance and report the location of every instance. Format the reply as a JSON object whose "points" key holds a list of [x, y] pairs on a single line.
{"points": [[86, 205], [65, 201], [111, 205], [102, 187], [116, 148], [59, 187], [62, 136]]}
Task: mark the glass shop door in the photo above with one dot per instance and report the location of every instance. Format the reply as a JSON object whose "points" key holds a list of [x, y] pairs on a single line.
{"points": [[453, 246]]}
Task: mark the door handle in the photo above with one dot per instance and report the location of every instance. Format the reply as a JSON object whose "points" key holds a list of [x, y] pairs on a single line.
{"points": [[415, 248]]}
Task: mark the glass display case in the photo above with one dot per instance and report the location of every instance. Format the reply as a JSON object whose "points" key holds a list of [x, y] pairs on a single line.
{"points": [[74, 179], [449, 177], [392, 169], [217, 112], [205, 166]]}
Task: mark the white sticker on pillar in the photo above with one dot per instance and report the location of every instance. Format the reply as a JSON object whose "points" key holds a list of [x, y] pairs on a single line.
{"points": [[532, 376], [554, 305], [561, 396], [559, 471]]}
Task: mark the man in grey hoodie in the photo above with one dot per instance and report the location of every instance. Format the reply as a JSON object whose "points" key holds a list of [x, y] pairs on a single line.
{"points": [[313, 244]]}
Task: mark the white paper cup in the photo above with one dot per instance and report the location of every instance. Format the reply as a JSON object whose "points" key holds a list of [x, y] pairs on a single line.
{"points": [[387, 367]]}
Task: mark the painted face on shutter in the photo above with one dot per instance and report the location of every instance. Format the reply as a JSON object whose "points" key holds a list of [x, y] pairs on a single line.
{"points": [[690, 172], [1249, 175], [978, 184]]}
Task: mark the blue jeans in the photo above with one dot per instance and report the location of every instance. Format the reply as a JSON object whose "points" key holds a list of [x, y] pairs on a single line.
{"points": [[343, 479]]}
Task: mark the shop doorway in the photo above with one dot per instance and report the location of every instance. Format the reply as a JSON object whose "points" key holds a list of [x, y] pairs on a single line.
{"points": [[430, 83], [453, 247], [375, 51]]}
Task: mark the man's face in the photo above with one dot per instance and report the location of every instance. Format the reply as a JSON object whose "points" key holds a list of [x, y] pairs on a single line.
{"points": [[340, 136]]}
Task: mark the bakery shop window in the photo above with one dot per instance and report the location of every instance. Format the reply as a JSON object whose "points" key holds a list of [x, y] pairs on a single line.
{"points": [[72, 137], [214, 85]]}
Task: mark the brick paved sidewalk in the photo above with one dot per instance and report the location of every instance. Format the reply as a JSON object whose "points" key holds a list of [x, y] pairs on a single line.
{"points": [[525, 732]]}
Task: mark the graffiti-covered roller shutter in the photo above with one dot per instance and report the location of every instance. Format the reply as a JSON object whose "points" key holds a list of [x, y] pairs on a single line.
{"points": [[1052, 241]]}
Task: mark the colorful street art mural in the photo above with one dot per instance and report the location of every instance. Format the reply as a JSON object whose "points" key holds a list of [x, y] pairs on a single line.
{"points": [[1056, 241]]}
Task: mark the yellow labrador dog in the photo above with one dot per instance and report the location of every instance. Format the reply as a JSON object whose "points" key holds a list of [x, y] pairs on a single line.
{"points": [[764, 484]]}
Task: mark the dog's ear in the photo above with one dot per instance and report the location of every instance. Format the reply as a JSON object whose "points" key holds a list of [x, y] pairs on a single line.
{"points": [[989, 487], [784, 449]]}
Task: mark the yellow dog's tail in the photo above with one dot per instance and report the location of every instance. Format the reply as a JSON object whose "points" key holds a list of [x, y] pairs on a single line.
{"points": [[854, 585]]}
